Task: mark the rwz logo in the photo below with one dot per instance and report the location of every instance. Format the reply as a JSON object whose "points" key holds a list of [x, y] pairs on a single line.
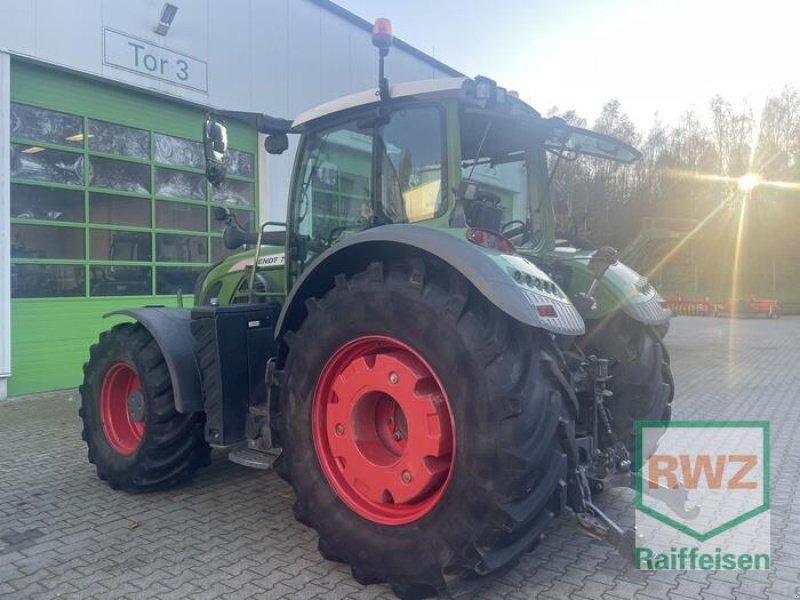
{"points": [[689, 470], [720, 468]]}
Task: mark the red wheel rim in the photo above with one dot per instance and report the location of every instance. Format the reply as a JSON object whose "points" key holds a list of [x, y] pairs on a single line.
{"points": [[383, 431], [122, 408]]}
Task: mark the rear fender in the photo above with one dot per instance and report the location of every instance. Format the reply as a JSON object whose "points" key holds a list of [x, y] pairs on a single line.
{"points": [[507, 281], [170, 328]]}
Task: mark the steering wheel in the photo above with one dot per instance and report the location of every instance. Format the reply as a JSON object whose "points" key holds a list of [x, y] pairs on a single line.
{"points": [[520, 229], [514, 222]]}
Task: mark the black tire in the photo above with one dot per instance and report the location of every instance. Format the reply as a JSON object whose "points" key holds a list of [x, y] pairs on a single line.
{"points": [[172, 444], [508, 474], [641, 381]]}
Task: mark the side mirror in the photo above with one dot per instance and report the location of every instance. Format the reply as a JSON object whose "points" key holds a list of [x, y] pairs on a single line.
{"points": [[276, 143], [602, 259], [222, 213], [215, 142]]}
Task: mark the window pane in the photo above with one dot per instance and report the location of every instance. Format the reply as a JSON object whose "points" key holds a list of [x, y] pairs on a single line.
{"points": [[178, 151], [247, 219], [507, 180], [108, 209], [177, 215], [34, 162], [47, 126], [356, 186], [44, 241], [118, 139], [170, 279], [47, 281], [411, 151], [178, 184], [241, 163], [119, 245], [181, 248], [119, 175], [51, 204], [335, 190], [120, 281], [234, 193]]}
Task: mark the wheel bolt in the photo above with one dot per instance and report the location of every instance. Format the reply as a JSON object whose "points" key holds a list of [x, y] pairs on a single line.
{"points": [[393, 378], [339, 429], [406, 476]]}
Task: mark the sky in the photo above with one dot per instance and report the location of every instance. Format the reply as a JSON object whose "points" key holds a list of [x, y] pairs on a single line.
{"points": [[656, 57]]}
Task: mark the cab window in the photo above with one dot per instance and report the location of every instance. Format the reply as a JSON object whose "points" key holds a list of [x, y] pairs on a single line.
{"points": [[334, 192], [411, 148]]}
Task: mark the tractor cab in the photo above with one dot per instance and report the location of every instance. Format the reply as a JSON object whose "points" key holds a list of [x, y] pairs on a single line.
{"points": [[460, 155]]}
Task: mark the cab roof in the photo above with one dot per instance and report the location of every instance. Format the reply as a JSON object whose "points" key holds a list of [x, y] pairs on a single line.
{"points": [[426, 88]]}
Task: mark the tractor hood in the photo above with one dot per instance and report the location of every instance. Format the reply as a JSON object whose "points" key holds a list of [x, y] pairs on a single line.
{"points": [[224, 279]]}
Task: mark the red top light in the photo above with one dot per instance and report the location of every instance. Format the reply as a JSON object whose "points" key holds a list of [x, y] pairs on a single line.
{"points": [[382, 33], [490, 239]]}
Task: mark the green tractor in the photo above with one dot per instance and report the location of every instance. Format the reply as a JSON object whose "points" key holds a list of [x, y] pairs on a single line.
{"points": [[414, 351]]}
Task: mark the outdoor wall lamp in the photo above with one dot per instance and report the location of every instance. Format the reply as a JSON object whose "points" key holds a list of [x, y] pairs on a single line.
{"points": [[168, 13]]}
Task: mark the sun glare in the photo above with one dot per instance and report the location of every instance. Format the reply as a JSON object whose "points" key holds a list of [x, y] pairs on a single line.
{"points": [[748, 182]]}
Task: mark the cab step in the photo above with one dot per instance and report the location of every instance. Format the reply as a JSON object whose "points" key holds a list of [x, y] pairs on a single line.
{"points": [[255, 459]]}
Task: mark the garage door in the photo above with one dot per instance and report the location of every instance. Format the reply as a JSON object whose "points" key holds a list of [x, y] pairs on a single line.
{"points": [[109, 209]]}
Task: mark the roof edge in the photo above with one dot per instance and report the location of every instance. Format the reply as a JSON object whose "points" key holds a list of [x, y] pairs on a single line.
{"points": [[405, 46]]}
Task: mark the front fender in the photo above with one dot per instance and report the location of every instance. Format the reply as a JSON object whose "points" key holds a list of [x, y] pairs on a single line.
{"points": [[621, 288], [510, 282], [170, 328]]}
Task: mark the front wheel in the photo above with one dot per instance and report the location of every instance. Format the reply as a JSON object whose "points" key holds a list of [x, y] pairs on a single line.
{"points": [[420, 429], [641, 376], [135, 437]]}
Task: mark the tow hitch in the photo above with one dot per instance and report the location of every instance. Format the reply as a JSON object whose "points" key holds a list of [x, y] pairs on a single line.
{"points": [[591, 469]]}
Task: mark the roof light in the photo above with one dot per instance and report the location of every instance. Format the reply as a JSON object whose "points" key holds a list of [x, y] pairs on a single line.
{"points": [[382, 33], [32, 150], [168, 13], [483, 90]]}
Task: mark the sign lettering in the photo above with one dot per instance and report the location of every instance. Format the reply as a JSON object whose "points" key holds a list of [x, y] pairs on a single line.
{"points": [[138, 56]]}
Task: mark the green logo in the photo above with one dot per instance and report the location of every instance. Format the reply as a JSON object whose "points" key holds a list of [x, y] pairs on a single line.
{"points": [[702, 479]]}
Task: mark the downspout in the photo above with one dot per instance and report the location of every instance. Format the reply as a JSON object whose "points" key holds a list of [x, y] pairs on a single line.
{"points": [[5, 216]]}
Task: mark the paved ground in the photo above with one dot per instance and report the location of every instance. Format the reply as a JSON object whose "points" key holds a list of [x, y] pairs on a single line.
{"points": [[231, 534]]}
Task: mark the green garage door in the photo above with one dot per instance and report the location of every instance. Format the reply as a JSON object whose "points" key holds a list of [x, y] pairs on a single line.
{"points": [[109, 209]]}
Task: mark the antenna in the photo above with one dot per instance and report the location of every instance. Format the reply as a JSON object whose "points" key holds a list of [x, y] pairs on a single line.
{"points": [[382, 40]]}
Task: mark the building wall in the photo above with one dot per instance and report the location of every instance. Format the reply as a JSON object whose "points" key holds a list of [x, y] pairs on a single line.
{"points": [[277, 57]]}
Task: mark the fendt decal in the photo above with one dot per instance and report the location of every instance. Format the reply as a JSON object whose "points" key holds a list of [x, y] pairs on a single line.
{"points": [[273, 260]]}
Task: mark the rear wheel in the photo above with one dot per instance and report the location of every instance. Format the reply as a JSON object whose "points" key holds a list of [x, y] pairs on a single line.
{"points": [[420, 429], [136, 438]]}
